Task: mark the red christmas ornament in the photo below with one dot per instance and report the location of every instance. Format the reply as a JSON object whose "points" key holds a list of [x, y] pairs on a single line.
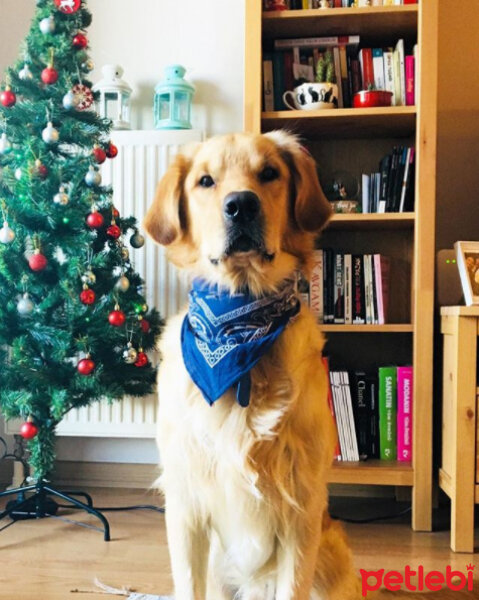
{"points": [[28, 430], [86, 366], [145, 326], [8, 98], [80, 41], [116, 317], [99, 155], [87, 296], [114, 231], [115, 213], [95, 220], [41, 170], [37, 261], [141, 359], [68, 6], [111, 151], [49, 75]]}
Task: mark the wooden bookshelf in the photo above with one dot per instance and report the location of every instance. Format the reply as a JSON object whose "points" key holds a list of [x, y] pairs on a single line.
{"points": [[355, 139]]}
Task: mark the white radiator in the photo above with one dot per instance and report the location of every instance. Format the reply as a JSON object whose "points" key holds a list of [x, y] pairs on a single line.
{"points": [[142, 159]]}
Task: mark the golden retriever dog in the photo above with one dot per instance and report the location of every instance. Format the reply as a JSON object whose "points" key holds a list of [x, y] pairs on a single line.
{"points": [[245, 486]]}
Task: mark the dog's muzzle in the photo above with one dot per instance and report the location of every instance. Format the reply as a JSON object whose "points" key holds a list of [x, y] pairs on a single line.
{"points": [[244, 223]]}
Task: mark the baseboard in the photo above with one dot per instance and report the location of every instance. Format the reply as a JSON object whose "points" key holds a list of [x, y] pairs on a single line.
{"points": [[101, 474]]}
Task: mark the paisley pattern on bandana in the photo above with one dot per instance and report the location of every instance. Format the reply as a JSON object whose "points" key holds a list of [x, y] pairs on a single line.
{"points": [[224, 335]]}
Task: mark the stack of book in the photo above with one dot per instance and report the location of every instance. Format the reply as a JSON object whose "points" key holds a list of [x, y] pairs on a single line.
{"points": [[372, 413], [391, 189], [309, 4], [292, 61], [349, 289]]}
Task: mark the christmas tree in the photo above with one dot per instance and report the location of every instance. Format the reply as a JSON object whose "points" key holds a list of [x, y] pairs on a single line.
{"points": [[74, 325]]}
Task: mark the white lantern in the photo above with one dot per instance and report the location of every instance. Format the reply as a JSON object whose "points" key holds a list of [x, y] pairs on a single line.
{"points": [[115, 94]]}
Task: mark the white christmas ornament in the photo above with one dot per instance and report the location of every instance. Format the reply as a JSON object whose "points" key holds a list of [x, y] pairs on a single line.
{"points": [[70, 100], [62, 198], [93, 177], [89, 278], [47, 25], [123, 284], [25, 306], [25, 74], [7, 235], [50, 135], [5, 145], [18, 174]]}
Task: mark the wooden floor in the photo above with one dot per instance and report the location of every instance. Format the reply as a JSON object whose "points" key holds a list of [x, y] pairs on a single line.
{"points": [[52, 560]]}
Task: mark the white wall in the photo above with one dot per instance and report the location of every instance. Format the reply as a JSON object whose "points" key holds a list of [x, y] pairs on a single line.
{"points": [[143, 36]]}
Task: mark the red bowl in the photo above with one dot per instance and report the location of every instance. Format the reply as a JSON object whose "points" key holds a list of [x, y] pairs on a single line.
{"points": [[370, 98]]}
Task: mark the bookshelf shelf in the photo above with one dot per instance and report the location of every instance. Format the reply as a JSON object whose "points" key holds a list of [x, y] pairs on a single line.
{"points": [[388, 328], [372, 472], [374, 22], [385, 121], [373, 221]]}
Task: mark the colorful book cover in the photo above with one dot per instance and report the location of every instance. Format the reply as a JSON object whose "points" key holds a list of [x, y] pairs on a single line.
{"points": [[410, 80], [359, 313], [388, 413], [367, 71], [378, 68], [404, 413], [316, 286]]}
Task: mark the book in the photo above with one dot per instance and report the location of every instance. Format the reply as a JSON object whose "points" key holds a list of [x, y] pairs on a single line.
{"points": [[368, 301], [338, 289], [348, 289], [402, 74], [410, 80], [337, 449], [365, 190], [268, 85], [278, 79], [316, 286], [337, 70], [402, 199], [317, 42], [388, 413], [389, 73], [339, 412], [366, 63], [404, 413], [356, 84], [381, 275], [378, 68], [349, 414], [373, 405], [362, 412], [410, 183], [384, 168], [359, 314], [344, 79]]}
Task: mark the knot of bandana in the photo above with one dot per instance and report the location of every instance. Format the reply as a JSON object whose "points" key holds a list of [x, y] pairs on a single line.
{"points": [[224, 335]]}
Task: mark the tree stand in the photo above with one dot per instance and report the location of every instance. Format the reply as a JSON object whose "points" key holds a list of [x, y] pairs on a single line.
{"points": [[40, 505]]}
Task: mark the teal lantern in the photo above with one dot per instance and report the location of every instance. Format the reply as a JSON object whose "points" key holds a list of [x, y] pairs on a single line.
{"points": [[173, 98]]}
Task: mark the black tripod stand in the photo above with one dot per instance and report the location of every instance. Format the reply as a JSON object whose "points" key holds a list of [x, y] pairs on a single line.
{"points": [[40, 504]]}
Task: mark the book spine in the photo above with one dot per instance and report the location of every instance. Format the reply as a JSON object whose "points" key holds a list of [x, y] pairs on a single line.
{"points": [[379, 288], [387, 413], [361, 412], [373, 405], [367, 71], [339, 413], [317, 42], [278, 78], [367, 289], [331, 283], [402, 71], [355, 75], [374, 290], [397, 78], [337, 70], [339, 289], [378, 68], [365, 184], [343, 59], [288, 70], [385, 278], [410, 83], [402, 201], [350, 415], [358, 290], [337, 450], [268, 85], [404, 418], [348, 292], [389, 74], [316, 286]]}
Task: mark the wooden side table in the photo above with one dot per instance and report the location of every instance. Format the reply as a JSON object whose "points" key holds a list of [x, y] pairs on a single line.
{"points": [[459, 474]]}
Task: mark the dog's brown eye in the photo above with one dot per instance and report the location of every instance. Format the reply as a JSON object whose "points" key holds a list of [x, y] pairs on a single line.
{"points": [[207, 181], [269, 174]]}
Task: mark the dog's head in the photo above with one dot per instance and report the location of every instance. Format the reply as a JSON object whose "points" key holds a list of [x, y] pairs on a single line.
{"points": [[241, 210]]}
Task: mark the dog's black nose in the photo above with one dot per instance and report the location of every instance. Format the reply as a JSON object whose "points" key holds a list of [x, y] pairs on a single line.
{"points": [[241, 207]]}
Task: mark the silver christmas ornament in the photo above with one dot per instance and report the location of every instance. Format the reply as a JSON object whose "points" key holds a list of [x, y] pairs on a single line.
{"points": [[50, 135], [47, 25], [123, 284], [7, 235], [5, 145], [62, 198], [70, 101], [93, 177], [25, 74], [137, 240], [89, 278], [125, 254], [25, 306], [88, 65], [130, 354], [18, 174]]}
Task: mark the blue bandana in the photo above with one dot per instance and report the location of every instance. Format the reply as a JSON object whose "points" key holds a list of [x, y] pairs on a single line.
{"points": [[224, 335]]}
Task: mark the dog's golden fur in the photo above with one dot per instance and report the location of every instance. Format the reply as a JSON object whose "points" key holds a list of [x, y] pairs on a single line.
{"points": [[245, 488]]}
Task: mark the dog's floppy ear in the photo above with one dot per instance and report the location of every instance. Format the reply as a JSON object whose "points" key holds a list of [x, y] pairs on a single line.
{"points": [[166, 218], [310, 207]]}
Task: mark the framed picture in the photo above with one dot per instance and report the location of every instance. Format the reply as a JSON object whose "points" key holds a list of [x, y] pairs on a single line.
{"points": [[468, 263]]}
